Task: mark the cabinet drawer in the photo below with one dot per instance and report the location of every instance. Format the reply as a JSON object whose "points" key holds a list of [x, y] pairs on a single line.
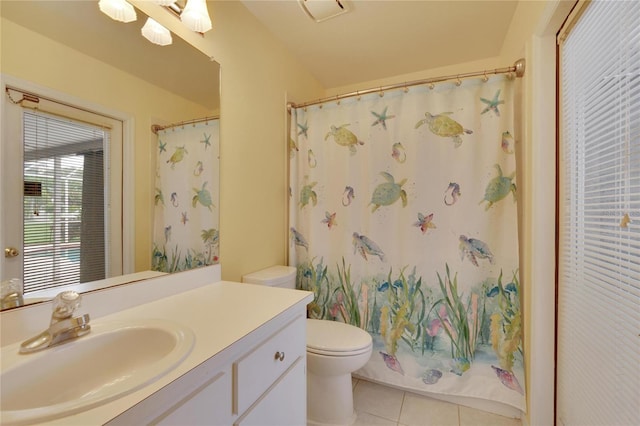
{"points": [[255, 372]]}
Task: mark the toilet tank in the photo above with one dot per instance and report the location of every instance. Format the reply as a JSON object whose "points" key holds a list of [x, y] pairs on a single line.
{"points": [[275, 276]]}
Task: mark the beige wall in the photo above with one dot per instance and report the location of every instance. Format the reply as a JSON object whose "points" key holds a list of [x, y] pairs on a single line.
{"points": [[520, 31], [484, 64], [258, 75], [44, 62], [532, 35]]}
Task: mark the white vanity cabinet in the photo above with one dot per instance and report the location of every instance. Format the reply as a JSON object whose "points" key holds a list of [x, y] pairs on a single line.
{"points": [[247, 365], [258, 380]]}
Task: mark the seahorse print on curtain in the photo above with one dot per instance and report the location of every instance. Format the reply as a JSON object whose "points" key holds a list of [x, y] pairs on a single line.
{"points": [[403, 221], [186, 217]]}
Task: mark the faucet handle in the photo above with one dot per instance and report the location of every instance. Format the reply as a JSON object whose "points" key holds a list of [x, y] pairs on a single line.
{"points": [[65, 304]]}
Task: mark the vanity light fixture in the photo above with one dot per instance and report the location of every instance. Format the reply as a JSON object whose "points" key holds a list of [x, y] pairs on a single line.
{"points": [[156, 33], [196, 16], [118, 10]]}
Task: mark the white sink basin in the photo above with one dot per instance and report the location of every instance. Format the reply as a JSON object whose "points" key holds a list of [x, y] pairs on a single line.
{"points": [[112, 360]]}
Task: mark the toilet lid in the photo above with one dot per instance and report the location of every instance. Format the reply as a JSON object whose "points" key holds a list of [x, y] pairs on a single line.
{"points": [[335, 337]]}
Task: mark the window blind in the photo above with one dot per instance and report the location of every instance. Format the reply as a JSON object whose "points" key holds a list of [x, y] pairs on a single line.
{"points": [[64, 201], [598, 361]]}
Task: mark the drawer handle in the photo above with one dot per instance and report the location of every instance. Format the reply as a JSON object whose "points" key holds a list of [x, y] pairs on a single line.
{"points": [[280, 356]]}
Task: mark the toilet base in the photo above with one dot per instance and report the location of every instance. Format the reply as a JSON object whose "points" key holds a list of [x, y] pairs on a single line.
{"points": [[330, 400]]}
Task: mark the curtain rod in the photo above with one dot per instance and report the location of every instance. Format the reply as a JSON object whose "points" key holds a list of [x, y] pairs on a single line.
{"points": [[35, 99], [518, 68], [155, 128]]}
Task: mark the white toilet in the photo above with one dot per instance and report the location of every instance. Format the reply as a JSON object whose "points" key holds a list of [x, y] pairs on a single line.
{"points": [[334, 351]]}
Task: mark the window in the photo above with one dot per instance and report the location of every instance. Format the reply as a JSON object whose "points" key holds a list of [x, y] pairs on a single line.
{"points": [[64, 236], [598, 370]]}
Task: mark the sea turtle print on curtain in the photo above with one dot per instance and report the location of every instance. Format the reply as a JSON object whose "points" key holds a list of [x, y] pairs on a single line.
{"points": [[186, 230], [405, 224]]}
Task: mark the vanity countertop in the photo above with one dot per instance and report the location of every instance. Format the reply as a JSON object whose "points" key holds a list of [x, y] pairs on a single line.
{"points": [[219, 315]]}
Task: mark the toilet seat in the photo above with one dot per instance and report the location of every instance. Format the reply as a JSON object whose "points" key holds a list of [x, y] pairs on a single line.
{"points": [[332, 338]]}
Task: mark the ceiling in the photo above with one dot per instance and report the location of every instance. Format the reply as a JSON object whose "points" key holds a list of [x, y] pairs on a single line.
{"points": [[179, 68], [377, 39]]}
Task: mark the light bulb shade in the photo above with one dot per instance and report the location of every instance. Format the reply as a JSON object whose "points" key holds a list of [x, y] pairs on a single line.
{"points": [[196, 16], [164, 2], [156, 33], [118, 10]]}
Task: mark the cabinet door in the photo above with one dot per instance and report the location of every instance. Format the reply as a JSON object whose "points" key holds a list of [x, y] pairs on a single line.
{"points": [[207, 405], [200, 397], [284, 404]]}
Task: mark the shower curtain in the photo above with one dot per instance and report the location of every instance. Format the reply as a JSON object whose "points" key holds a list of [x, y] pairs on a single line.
{"points": [[185, 231], [403, 222]]}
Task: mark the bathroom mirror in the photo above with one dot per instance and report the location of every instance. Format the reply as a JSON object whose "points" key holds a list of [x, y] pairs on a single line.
{"points": [[178, 69]]}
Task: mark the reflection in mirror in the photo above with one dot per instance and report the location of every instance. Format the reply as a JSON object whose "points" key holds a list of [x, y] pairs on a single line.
{"points": [[71, 56], [186, 172]]}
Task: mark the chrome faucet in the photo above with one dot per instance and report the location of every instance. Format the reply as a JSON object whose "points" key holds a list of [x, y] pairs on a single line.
{"points": [[63, 326], [11, 293]]}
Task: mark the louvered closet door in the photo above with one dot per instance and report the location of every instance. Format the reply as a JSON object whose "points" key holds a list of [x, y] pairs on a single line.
{"points": [[598, 365]]}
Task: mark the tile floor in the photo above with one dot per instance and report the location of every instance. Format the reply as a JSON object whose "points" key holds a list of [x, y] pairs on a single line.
{"points": [[379, 405]]}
